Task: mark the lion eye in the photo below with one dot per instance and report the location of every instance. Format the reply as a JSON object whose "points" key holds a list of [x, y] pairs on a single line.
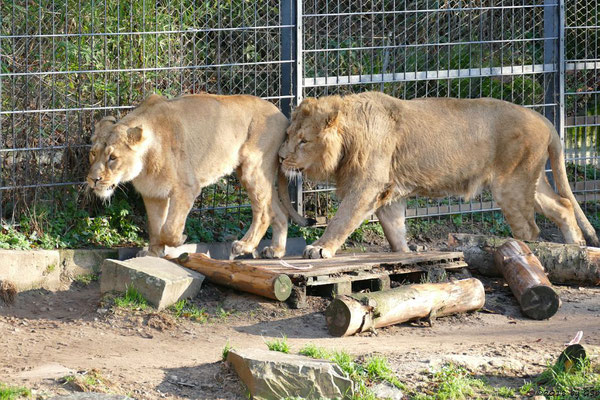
{"points": [[302, 141], [112, 157]]}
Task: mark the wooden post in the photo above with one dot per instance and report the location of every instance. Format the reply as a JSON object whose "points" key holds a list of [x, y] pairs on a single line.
{"points": [[564, 263], [526, 278], [347, 315], [239, 276]]}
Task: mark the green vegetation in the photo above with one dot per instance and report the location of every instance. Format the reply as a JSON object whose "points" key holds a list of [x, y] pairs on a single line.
{"points": [[362, 372], [86, 279], [225, 351], [280, 345], [131, 299], [13, 392], [186, 309], [577, 379]]}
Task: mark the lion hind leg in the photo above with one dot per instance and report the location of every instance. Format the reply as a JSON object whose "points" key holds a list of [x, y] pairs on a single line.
{"points": [[392, 220], [516, 199], [559, 210]]}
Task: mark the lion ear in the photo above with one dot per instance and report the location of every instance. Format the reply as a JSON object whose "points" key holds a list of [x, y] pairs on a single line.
{"points": [[333, 119], [135, 135], [307, 105]]}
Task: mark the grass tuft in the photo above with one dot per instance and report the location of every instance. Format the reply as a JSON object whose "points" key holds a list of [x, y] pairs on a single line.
{"points": [[131, 299], [185, 309], [13, 392], [280, 345]]}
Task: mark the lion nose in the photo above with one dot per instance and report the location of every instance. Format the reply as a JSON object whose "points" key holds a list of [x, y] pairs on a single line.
{"points": [[95, 180]]}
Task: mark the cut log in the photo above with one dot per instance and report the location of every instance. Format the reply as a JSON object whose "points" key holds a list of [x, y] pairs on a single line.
{"points": [[564, 263], [347, 315], [239, 276], [577, 353], [526, 278]]}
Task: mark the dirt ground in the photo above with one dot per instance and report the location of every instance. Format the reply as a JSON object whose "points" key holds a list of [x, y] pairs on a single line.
{"points": [[45, 336]]}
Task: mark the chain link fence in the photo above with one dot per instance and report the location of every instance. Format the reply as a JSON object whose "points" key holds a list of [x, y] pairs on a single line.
{"points": [[66, 63]]}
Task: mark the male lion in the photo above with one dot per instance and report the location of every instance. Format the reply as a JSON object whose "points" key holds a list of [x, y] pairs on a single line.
{"points": [[380, 150], [171, 149]]}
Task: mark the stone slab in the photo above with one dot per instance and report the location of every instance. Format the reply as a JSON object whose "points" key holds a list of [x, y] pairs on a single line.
{"points": [[91, 396], [218, 251], [161, 282], [273, 375], [77, 262], [31, 269]]}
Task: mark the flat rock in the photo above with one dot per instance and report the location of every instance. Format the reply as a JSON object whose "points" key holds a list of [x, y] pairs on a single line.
{"points": [[274, 375], [31, 269], [46, 371], [161, 282], [384, 390]]}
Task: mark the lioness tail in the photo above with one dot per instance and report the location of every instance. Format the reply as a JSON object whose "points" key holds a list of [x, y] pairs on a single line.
{"points": [[282, 188], [557, 161]]}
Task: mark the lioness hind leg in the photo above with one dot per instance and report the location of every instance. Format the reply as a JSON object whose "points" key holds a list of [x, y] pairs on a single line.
{"points": [[392, 218], [260, 190], [279, 224], [516, 199], [559, 210]]}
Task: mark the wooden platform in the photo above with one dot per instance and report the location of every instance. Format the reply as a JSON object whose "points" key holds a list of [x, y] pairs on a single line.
{"points": [[347, 273]]}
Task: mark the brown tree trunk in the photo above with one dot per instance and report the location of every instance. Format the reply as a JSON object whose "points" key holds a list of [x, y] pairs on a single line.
{"points": [[239, 276], [564, 263], [526, 278], [347, 315]]}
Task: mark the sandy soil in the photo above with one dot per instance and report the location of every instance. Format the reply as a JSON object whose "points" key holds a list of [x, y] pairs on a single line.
{"points": [[45, 336]]}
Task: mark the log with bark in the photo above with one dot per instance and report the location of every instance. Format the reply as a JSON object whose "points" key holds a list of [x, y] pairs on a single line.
{"points": [[526, 278], [347, 315], [564, 263], [239, 276]]}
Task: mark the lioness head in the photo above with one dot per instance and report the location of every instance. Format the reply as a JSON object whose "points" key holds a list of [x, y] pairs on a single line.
{"points": [[115, 156], [314, 141]]}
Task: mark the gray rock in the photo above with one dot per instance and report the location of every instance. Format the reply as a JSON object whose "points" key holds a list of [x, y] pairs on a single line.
{"points": [[386, 391], [274, 375], [161, 282], [31, 269]]}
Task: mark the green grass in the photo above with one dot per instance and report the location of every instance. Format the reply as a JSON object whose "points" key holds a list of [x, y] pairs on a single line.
{"points": [[13, 392], [131, 299], [280, 345], [225, 351], [86, 279], [363, 373], [579, 380], [185, 309]]}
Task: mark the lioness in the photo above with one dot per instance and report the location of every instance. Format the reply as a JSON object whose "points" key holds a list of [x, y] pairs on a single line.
{"points": [[171, 149], [380, 150]]}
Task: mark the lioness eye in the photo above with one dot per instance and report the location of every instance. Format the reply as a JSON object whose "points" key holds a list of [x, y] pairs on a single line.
{"points": [[302, 141], [112, 157]]}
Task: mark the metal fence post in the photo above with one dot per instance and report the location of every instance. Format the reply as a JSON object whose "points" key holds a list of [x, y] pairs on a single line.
{"points": [[552, 97], [291, 73]]}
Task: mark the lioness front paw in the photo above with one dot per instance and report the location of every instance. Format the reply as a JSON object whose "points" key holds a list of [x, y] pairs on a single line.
{"points": [[272, 252], [153, 251], [316, 252], [172, 240], [239, 248]]}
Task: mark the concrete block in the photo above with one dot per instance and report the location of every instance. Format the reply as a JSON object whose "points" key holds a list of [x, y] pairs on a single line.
{"points": [[76, 262], [31, 269], [275, 375], [161, 282], [218, 251]]}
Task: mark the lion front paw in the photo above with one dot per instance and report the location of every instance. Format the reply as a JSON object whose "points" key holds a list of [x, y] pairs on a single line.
{"points": [[316, 252], [272, 252], [239, 248]]}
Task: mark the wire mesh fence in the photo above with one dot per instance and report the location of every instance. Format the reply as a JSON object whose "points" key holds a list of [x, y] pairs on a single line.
{"points": [[66, 63]]}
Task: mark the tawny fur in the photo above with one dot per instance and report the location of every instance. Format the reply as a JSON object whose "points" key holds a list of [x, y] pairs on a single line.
{"points": [[171, 149], [380, 150]]}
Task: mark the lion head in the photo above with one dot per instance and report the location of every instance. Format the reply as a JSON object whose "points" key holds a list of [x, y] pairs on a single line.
{"points": [[116, 155], [314, 144]]}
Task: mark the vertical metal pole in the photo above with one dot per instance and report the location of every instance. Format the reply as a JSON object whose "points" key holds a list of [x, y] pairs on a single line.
{"points": [[291, 73], [552, 96], [561, 72]]}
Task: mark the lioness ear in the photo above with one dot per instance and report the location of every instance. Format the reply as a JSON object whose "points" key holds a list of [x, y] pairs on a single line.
{"points": [[106, 120], [134, 135]]}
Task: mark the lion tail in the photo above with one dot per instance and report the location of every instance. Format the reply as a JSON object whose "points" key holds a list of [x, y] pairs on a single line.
{"points": [[282, 187], [557, 161]]}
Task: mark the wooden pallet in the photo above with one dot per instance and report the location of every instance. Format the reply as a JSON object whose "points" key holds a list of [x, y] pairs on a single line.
{"points": [[347, 273]]}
